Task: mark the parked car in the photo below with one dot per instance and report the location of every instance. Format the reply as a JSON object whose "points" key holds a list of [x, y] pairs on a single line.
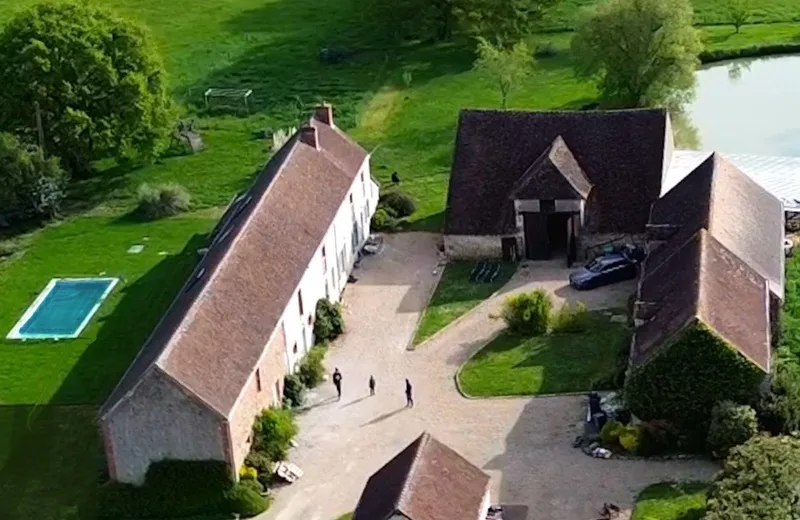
{"points": [[604, 270]]}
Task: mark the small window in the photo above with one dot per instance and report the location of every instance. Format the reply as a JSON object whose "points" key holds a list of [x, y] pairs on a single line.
{"points": [[300, 302], [351, 198], [324, 260], [294, 349], [310, 319], [362, 177], [258, 379]]}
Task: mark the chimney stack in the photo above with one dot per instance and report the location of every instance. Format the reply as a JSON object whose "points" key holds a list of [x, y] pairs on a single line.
{"points": [[308, 135], [324, 114]]}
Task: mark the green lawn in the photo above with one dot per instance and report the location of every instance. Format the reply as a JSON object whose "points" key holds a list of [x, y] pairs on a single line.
{"points": [[455, 295], [550, 364], [671, 501]]}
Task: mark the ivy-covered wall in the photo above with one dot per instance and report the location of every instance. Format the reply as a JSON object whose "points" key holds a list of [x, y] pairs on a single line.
{"points": [[692, 373]]}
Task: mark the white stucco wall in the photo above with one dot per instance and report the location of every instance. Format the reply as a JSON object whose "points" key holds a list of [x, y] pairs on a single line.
{"points": [[324, 277]]}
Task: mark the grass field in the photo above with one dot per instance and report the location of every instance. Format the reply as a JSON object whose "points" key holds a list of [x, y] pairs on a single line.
{"points": [[669, 501], [550, 364], [455, 295]]}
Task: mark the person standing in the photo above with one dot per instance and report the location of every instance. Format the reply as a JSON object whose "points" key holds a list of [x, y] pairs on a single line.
{"points": [[371, 385], [409, 395], [337, 382]]}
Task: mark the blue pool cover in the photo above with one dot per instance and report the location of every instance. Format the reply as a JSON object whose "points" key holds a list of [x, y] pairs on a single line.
{"points": [[63, 308]]}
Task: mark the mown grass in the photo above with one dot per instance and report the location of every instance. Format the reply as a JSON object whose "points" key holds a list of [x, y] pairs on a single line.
{"points": [[671, 501], [455, 295], [512, 364]]}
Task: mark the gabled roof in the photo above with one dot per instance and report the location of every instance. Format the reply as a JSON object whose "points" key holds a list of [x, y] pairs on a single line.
{"points": [[703, 280], [425, 481], [621, 153], [554, 175], [739, 213], [210, 339]]}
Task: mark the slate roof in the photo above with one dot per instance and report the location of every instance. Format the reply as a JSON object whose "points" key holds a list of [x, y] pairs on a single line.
{"points": [[425, 481], [621, 153], [554, 175], [210, 339], [738, 212], [703, 280]]}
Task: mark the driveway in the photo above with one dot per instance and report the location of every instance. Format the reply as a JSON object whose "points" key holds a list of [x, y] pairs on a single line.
{"points": [[524, 444]]}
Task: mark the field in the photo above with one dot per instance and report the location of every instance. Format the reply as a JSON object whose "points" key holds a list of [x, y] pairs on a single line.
{"points": [[271, 46]]}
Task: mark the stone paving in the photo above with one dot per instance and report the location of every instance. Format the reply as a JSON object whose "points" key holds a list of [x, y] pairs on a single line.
{"points": [[524, 444]]}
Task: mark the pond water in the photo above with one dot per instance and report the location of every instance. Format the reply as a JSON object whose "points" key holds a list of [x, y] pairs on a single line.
{"points": [[749, 106]]}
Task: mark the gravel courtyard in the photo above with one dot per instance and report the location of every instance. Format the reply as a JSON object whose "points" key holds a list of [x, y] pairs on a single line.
{"points": [[523, 444]]}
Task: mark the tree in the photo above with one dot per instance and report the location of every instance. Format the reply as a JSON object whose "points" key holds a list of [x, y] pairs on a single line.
{"points": [[642, 53], [96, 78], [506, 67], [740, 11], [502, 22], [31, 186]]}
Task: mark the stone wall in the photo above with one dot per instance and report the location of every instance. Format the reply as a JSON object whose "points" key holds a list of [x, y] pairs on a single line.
{"points": [[470, 247], [160, 421]]}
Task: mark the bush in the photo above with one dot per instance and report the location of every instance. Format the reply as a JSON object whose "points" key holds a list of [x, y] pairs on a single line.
{"points": [[31, 186], [398, 201], [731, 425], [609, 434], [570, 320], [310, 370], [245, 501], [383, 221], [258, 461], [253, 484], [161, 201], [658, 437], [528, 313], [247, 473], [630, 437], [328, 323], [273, 432], [294, 392], [759, 480], [545, 50]]}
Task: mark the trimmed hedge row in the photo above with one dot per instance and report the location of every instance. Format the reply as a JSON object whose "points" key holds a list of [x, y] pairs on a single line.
{"points": [[754, 51], [180, 488], [693, 373]]}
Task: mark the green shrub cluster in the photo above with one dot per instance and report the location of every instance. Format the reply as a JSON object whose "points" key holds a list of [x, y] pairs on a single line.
{"points": [[294, 391], [731, 425], [310, 370], [397, 203], [628, 436], [754, 51], [181, 488], [383, 220], [688, 377], [154, 202], [528, 313], [273, 432], [760, 479], [569, 319], [328, 321]]}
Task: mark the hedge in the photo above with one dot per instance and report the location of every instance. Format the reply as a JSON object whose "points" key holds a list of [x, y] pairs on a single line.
{"points": [[754, 51], [328, 321], [731, 425], [688, 377], [759, 480], [180, 488]]}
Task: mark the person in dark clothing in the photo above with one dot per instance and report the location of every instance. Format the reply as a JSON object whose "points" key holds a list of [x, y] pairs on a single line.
{"points": [[409, 395], [395, 178], [371, 385], [337, 382]]}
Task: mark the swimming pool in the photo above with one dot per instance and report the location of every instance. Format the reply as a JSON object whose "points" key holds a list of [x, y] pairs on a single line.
{"points": [[63, 308]]}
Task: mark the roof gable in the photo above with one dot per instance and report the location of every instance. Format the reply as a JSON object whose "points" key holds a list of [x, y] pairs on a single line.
{"points": [[553, 175]]}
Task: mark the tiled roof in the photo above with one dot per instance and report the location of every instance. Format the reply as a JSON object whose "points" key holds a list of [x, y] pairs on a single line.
{"points": [[217, 327], [621, 154], [425, 481], [703, 280], [554, 175]]}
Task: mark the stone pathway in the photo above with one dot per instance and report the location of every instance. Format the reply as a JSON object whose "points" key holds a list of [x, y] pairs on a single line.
{"points": [[523, 444]]}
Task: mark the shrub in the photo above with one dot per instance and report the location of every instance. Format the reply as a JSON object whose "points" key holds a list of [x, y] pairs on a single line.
{"points": [[401, 203], [731, 425], [658, 437], [258, 461], [154, 202], [294, 392], [253, 484], [245, 501], [311, 371], [684, 381], [545, 50], [248, 473], [759, 479], [31, 186], [273, 432], [382, 220], [630, 437], [328, 323], [570, 320], [527, 313], [778, 409], [609, 434]]}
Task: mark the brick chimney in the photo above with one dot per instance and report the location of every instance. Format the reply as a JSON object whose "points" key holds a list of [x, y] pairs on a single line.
{"points": [[324, 114], [308, 135]]}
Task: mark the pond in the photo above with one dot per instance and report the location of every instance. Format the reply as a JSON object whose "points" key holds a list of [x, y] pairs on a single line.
{"points": [[749, 106]]}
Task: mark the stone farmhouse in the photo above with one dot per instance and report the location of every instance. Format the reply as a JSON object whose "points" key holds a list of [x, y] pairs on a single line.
{"points": [[245, 316], [425, 481]]}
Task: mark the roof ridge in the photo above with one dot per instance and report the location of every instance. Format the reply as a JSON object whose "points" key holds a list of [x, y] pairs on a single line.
{"points": [[424, 440]]}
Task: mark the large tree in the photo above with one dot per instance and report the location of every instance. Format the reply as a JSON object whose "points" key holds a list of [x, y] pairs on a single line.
{"points": [[503, 22], [643, 53], [506, 68], [95, 80]]}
